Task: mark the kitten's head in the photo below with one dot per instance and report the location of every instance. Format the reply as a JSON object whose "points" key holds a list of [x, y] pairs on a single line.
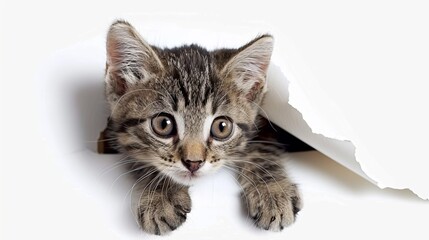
{"points": [[185, 111]]}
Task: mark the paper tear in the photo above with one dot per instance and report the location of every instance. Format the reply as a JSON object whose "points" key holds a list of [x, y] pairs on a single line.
{"points": [[294, 112], [280, 111]]}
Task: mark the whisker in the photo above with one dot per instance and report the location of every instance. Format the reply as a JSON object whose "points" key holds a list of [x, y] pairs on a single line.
{"points": [[140, 179], [131, 209], [132, 189], [152, 191], [104, 140], [267, 142], [263, 180], [171, 97], [261, 157], [266, 171], [125, 173], [132, 91], [266, 115], [240, 174], [163, 185], [254, 120], [245, 196], [124, 160]]}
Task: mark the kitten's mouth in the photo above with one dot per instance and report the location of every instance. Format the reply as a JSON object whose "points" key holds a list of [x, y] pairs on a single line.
{"points": [[187, 177]]}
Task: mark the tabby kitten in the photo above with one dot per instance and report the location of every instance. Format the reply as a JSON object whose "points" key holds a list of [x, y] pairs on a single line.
{"points": [[185, 112]]}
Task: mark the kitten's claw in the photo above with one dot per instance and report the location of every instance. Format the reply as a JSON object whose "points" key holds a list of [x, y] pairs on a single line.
{"points": [[162, 214], [272, 207]]}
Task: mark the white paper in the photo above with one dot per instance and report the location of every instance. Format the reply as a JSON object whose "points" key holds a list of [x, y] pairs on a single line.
{"points": [[278, 109], [368, 94]]}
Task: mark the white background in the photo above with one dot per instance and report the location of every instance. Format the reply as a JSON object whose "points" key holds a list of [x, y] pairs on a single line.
{"points": [[378, 48]]}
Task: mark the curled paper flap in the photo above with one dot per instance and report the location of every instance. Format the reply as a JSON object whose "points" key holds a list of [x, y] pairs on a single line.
{"points": [[369, 129]]}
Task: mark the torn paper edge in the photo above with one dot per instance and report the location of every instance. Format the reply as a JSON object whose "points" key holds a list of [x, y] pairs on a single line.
{"points": [[300, 119]]}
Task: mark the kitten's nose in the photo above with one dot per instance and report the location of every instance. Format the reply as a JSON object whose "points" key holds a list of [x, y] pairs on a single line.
{"points": [[192, 166]]}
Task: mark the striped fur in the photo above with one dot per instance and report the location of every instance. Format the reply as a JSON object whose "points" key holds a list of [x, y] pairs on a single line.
{"points": [[194, 86]]}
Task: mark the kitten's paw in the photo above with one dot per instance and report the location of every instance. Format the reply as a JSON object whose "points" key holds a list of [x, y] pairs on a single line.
{"points": [[161, 214], [273, 206]]}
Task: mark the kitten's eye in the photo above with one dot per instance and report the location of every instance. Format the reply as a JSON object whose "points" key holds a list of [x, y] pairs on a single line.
{"points": [[163, 125], [221, 128]]}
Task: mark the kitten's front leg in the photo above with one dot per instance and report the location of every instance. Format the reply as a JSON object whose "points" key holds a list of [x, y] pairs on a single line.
{"points": [[271, 199], [162, 205]]}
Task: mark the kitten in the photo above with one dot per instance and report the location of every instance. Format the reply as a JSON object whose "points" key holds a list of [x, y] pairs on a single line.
{"points": [[185, 112]]}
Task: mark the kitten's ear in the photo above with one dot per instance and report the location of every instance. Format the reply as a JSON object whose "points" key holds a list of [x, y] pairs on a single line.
{"points": [[129, 57], [248, 67]]}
